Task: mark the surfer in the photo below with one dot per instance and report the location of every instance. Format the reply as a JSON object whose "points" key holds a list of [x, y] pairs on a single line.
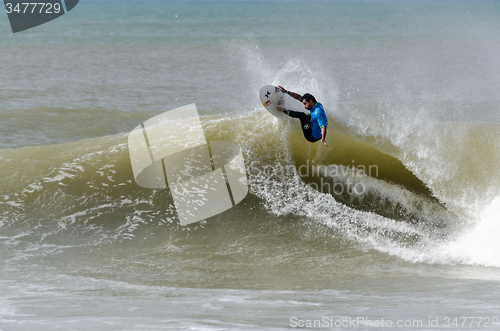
{"points": [[314, 124]]}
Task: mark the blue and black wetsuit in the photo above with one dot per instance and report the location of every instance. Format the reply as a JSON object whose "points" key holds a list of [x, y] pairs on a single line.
{"points": [[312, 123]]}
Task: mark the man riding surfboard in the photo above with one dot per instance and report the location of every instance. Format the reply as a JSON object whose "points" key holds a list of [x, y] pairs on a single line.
{"points": [[313, 125]]}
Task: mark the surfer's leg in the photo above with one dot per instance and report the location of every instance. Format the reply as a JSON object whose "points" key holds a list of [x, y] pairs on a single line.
{"points": [[294, 114], [305, 123]]}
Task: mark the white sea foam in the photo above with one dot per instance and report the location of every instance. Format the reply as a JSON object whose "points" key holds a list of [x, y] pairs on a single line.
{"points": [[479, 243]]}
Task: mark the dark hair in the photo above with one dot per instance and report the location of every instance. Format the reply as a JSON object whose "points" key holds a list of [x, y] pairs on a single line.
{"points": [[308, 97]]}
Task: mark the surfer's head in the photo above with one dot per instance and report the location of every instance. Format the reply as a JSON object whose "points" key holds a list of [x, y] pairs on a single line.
{"points": [[308, 101]]}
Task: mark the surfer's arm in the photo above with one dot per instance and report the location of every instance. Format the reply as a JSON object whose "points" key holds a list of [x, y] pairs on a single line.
{"points": [[323, 135], [290, 93]]}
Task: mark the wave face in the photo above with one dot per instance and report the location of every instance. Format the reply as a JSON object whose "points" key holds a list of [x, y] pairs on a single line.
{"points": [[424, 198]]}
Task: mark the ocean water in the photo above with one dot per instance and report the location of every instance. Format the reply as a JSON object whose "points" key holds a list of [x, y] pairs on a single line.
{"points": [[411, 89]]}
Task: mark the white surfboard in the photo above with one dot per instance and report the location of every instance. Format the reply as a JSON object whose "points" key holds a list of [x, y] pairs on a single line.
{"points": [[271, 96]]}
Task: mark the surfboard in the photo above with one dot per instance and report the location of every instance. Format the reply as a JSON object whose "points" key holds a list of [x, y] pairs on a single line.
{"points": [[271, 96]]}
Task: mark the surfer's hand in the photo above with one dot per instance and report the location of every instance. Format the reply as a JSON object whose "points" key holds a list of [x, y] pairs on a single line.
{"points": [[323, 135], [282, 89], [279, 106]]}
